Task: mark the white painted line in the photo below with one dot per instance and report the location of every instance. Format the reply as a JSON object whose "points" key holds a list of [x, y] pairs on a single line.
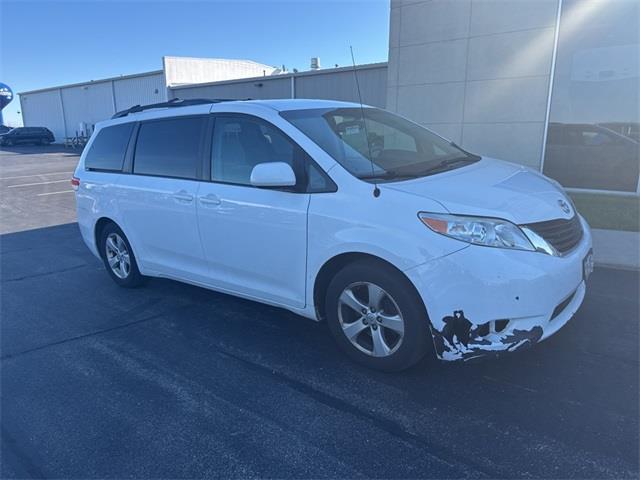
{"points": [[39, 183], [36, 175], [53, 193]]}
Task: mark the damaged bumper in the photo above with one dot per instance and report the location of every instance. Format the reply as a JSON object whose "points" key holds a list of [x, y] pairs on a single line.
{"points": [[484, 301]]}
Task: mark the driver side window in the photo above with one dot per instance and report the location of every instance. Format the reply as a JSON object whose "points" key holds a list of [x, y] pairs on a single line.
{"points": [[242, 142]]}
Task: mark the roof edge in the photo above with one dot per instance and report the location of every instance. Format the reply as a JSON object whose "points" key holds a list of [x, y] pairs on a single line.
{"points": [[261, 78], [220, 59], [93, 82]]}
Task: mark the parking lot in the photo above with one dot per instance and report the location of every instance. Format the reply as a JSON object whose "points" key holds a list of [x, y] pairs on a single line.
{"points": [[171, 380], [35, 187]]}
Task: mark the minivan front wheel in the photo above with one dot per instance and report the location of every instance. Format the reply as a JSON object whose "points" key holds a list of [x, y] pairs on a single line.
{"points": [[118, 257], [377, 317]]}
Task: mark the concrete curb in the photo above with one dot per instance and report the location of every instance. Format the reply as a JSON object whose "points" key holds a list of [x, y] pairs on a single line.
{"points": [[616, 249]]}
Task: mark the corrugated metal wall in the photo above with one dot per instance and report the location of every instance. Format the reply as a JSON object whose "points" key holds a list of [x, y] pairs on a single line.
{"points": [[256, 88], [340, 84], [141, 90], [64, 109], [331, 84], [188, 70], [44, 109], [88, 104]]}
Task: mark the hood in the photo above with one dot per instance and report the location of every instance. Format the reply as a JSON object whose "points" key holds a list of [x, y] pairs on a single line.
{"points": [[492, 188]]}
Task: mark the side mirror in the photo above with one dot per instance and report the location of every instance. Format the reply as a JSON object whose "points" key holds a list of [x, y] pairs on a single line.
{"points": [[273, 174]]}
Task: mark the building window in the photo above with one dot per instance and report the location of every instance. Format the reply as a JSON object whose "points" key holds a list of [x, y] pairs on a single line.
{"points": [[593, 135]]}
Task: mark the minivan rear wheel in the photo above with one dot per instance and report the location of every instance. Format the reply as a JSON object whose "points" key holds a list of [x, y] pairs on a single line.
{"points": [[377, 317], [118, 257]]}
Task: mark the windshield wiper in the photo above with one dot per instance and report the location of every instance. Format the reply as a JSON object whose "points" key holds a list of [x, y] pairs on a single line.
{"points": [[387, 175], [445, 164], [441, 166]]}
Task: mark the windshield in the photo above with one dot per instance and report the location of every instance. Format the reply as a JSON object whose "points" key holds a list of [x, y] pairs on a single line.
{"points": [[396, 149]]}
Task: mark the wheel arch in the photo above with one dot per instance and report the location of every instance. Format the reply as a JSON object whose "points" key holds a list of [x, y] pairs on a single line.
{"points": [[340, 261], [97, 232]]}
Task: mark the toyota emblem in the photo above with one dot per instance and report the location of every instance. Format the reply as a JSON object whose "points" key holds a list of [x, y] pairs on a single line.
{"points": [[564, 206]]}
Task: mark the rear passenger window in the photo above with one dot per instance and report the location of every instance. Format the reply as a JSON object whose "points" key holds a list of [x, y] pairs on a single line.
{"points": [[108, 148], [170, 148]]}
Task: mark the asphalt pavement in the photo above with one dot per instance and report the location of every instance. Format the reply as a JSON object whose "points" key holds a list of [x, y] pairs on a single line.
{"points": [[171, 380]]}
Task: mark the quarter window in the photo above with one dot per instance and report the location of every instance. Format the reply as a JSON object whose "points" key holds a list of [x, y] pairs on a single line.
{"points": [[108, 149], [170, 148]]}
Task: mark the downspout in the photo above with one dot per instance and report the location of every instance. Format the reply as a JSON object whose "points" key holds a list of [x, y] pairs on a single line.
{"points": [[64, 120], [552, 73]]}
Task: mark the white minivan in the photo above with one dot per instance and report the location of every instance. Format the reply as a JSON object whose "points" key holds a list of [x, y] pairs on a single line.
{"points": [[404, 242]]}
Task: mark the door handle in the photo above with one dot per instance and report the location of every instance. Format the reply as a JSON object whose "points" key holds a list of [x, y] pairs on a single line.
{"points": [[210, 199], [183, 196]]}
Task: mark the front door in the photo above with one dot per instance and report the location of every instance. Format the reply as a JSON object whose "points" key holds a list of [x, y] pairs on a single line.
{"points": [[254, 239]]}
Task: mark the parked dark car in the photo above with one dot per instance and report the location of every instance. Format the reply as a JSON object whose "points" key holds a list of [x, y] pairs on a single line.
{"points": [[4, 129], [22, 135]]}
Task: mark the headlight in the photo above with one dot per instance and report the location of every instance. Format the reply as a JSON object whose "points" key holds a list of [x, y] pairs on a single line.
{"points": [[490, 232]]}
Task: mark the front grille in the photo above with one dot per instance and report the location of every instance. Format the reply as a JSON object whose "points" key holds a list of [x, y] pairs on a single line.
{"points": [[562, 234]]}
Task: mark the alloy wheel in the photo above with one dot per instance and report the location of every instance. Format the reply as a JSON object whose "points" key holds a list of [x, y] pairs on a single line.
{"points": [[371, 319], [118, 256]]}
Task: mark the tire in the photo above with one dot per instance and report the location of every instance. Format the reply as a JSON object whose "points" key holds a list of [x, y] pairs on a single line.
{"points": [[118, 257], [400, 318]]}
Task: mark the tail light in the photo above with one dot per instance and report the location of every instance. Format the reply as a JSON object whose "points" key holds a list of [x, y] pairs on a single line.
{"points": [[75, 183]]}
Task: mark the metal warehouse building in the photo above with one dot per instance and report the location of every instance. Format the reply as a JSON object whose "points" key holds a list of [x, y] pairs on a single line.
{"points": [[73, 109], [327, 84]]}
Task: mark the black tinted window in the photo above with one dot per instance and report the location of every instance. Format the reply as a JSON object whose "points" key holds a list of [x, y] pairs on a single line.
{"points": [[170, 148], [109, 147]]}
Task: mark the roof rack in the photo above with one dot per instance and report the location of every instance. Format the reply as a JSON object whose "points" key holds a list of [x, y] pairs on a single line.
{"points": [[175, 102]]}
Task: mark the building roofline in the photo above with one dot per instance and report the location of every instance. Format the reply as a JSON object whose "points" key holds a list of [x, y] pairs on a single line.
{"points": [[93, 82], [220, 59], [220, 82], [262, 78]]}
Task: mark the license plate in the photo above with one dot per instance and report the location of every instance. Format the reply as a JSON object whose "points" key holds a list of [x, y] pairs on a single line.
{"points": [[587, 265]]}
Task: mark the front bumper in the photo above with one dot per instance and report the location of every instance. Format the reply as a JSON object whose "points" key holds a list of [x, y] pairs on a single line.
{"points": [[484, 300]]}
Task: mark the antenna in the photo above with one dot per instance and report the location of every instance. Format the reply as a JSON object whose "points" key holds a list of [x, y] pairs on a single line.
{"points": [[376, 190]]}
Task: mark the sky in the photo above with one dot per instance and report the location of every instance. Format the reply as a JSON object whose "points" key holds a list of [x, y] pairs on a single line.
{"points": [[44, 44]]}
